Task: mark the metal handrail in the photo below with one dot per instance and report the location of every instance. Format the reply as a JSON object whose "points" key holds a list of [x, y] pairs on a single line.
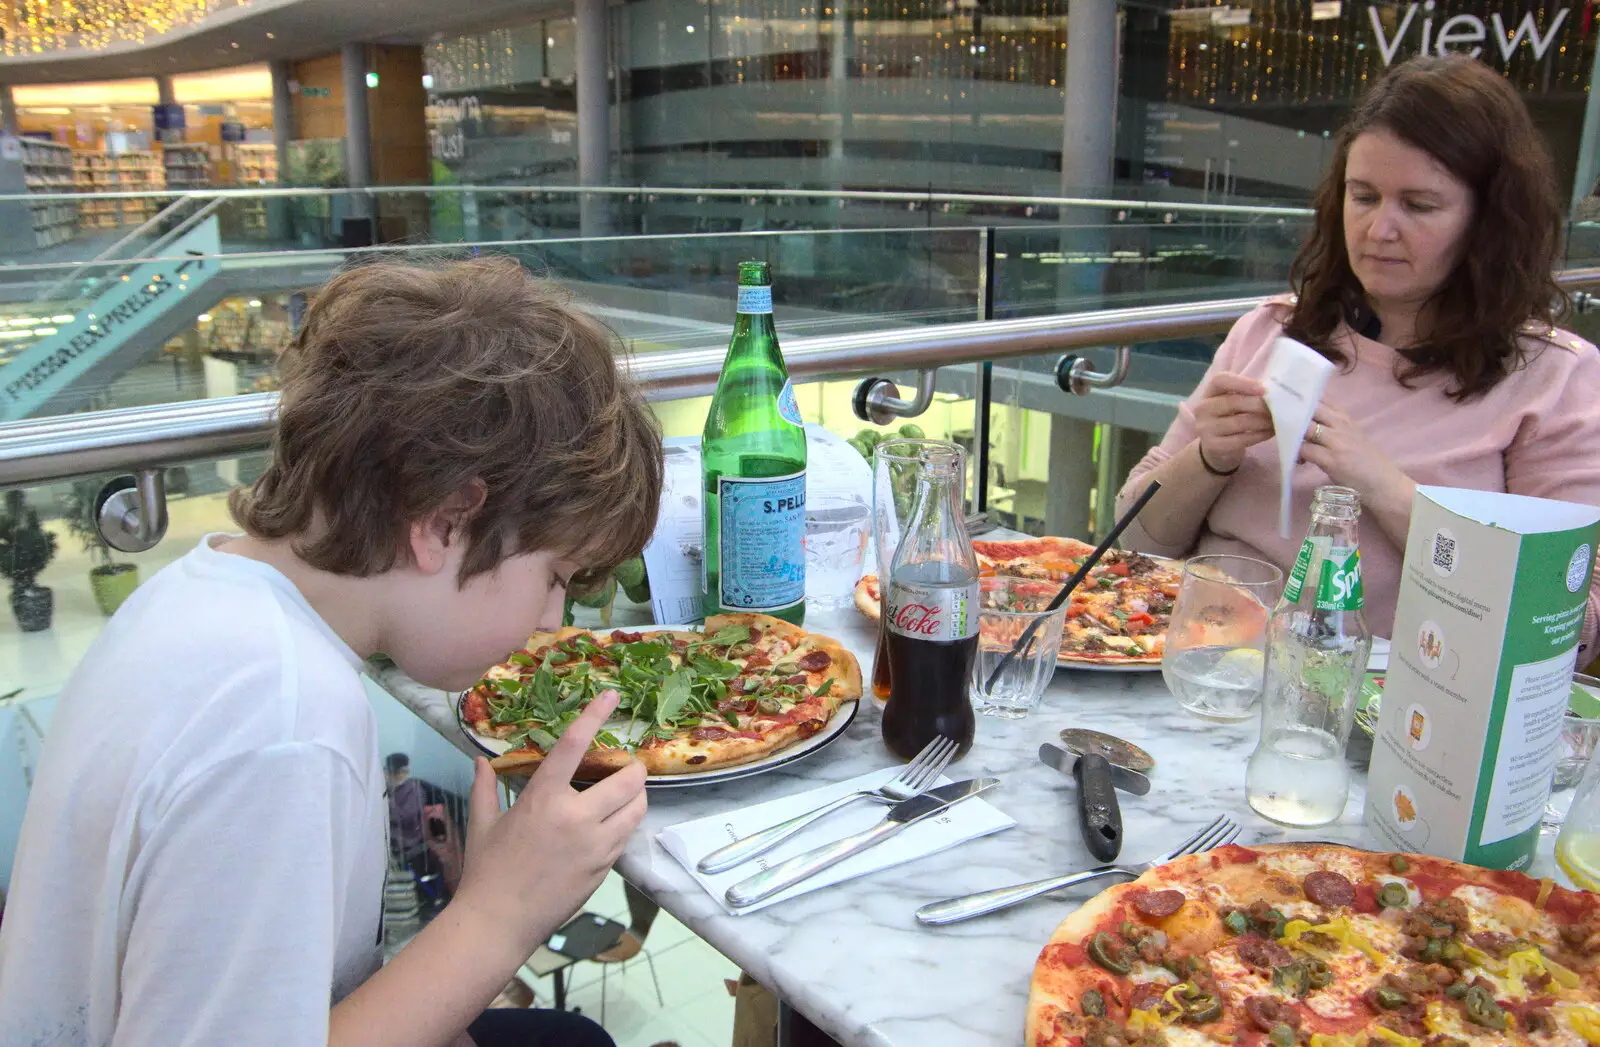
{"points": [[129, 439], [108, 255], [698, 194]]}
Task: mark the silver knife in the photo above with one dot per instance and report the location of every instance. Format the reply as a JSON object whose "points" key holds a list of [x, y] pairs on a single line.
{"points": [[781, 877], [1129, 781]]}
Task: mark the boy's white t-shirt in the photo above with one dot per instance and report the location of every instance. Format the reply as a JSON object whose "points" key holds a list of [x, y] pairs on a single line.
{"points": [[203, 854]]}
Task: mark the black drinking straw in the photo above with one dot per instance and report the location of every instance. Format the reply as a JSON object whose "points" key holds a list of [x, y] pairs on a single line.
{"points": [[1072, 583]]}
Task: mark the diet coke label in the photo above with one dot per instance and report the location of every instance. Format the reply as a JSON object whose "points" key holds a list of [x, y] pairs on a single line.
{"points": [[942, 614]]}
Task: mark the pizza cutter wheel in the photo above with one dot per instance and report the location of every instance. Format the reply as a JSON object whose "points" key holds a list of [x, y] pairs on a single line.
{"points": [[1083, 741]]}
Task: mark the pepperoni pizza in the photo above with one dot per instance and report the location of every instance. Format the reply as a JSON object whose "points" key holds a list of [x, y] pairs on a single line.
{"points": [[1320, 945]]}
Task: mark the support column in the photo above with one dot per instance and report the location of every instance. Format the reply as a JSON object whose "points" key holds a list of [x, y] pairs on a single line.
{"points": [[8, 110], [594, 113], [357, 130], [1072, 475], [164, 92], [1088, 128], [283, 130], [280, 226], [1088, 135], [1588, 170], [839, 92]]}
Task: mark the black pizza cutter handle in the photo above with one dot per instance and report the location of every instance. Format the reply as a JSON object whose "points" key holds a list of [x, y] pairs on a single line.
{"points": [[1099, 815]]}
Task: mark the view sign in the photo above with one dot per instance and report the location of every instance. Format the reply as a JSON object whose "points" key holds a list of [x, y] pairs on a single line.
{"points": [[1463, 33]]}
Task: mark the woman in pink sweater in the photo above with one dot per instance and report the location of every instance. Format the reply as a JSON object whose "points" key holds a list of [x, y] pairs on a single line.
{"points": [[1427, 279]]}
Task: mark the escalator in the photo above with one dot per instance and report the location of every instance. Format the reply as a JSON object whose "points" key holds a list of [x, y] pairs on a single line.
{"points": [[107, 318]]}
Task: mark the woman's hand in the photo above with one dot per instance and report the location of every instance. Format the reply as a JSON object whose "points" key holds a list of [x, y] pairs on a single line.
{"points": [[1230, 419], [1340, 448]]}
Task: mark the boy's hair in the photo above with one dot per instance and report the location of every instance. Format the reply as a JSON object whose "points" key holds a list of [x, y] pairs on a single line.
{"points": [[407, 383]]}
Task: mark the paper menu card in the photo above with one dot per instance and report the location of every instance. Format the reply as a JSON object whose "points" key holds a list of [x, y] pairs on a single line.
{"points": [[672, 556], [1295, 378], [1493, 592]]}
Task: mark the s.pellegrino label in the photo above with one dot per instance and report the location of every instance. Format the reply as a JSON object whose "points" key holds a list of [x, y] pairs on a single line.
{"points": [[943, 613], [1339, 585], [761, 558]]}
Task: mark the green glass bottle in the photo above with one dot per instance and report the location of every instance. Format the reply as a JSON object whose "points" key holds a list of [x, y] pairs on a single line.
{"points": [[753, 456]]}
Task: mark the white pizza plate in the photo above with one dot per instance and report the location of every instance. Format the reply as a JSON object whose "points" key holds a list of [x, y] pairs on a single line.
{"points": [[842, 718]]}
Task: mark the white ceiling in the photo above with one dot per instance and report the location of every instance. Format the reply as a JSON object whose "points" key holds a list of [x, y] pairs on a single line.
{"points": [[266, 29]]}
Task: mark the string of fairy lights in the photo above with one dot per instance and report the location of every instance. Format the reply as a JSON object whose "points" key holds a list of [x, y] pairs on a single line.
{"points": [[41, 26], [1219, 52]]}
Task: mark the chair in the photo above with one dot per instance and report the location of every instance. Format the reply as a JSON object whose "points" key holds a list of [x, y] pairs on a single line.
{"points": [[642, 913], [626, 943]]}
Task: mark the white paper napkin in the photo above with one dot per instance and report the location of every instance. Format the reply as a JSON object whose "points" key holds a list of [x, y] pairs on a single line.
{"points": [[691, 841], [1296, 376]]}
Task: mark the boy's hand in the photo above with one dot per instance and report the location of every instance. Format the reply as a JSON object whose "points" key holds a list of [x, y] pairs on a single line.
{"points": [[530, 868]]}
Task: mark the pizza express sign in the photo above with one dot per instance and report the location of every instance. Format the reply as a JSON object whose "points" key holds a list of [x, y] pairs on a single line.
{"points": [[103, 326], [1420, 26]]}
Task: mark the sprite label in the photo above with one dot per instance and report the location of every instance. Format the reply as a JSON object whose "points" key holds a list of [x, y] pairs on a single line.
{"points": [[1339, 586], [1301, 568]]}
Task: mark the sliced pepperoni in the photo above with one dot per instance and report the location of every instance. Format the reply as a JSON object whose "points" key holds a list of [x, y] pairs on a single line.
{"points": [[1266, 1012], [816, 661], [621, 637], [1262, 954], [798, 680], [601, 660], [757, 661], [710, 734], [1159, 904], [755, 633], [1328, 888]]}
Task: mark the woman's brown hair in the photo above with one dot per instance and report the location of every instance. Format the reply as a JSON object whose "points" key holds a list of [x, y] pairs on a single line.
{"points": [[1469, 119], [408, 384]]}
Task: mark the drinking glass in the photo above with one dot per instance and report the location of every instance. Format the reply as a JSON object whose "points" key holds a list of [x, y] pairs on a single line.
{"points": [[894, 480], [1580, 737], [1215, 658], [837, 526], [1578, 846], [1007, 607]]}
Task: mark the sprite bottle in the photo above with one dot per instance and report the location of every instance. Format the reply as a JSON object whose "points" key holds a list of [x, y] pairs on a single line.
{"points": [[753, 454], [1317, 647]]}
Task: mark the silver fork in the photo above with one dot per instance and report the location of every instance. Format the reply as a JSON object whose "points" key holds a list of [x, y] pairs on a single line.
{"points": [[1222, 831], [920, 773]]}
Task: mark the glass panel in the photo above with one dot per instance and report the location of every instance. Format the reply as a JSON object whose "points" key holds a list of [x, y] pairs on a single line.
{"points": [[217, 332]]}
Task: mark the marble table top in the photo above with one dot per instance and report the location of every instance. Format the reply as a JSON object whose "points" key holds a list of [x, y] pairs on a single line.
{"points": [[852, 958]]}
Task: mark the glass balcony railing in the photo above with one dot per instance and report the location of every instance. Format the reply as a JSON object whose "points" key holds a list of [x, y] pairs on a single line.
{"points": [[120, 225]]}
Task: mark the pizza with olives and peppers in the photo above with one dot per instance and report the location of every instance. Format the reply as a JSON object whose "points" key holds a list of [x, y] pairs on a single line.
{"points": [[747, 686], [1286, 944], [1117, 615]]}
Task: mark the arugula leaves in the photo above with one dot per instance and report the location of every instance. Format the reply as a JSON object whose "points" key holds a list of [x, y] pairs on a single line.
{"points": [[663, 691]]}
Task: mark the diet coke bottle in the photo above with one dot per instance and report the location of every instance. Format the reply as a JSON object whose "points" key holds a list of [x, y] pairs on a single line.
{"points": [[932, 617]]}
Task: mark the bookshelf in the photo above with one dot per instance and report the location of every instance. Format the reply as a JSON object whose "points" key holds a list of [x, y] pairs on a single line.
{"points": [[131, 172], [187, 165], [47, 168], [254, 165]]}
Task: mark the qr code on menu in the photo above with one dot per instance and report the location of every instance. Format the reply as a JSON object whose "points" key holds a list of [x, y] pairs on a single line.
{"points": [[1444, 552]]}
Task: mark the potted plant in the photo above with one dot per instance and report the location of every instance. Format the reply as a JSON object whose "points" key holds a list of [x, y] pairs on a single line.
{"points": [[111, 581], [25, 549]]}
